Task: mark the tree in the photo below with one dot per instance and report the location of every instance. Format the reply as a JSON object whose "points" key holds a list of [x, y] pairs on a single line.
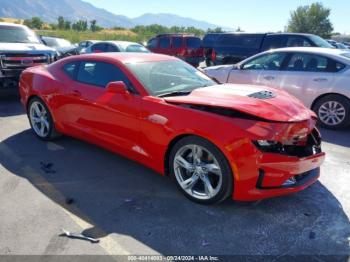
{"points": [[215, 30], [34, 23], [2, 20], [61, 23], [312, 19], [67, 25], [80, 25], [93, 25]]}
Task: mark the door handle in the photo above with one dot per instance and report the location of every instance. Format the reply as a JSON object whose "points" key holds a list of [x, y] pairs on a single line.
{"points": [[269, 78], [320, 79]]}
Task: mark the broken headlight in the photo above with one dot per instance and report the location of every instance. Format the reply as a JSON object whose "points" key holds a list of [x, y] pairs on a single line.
{"points": [[268, 146]]}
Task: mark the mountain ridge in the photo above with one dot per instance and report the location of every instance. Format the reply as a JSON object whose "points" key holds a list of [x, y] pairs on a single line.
{"points": [[50, 10]]}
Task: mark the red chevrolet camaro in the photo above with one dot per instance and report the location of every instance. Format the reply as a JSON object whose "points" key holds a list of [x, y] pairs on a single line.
{"points": [[217, 141]]}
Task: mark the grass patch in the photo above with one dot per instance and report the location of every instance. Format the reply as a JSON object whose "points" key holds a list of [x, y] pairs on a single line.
{"points": [[106, 34]]}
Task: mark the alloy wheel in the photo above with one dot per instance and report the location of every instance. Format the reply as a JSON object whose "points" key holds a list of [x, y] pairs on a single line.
{"points": [[39, 119], [332, 113], [198, 172]]}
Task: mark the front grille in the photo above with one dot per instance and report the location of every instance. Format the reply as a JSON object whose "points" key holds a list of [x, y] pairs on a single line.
{"points": [[22, 61]]}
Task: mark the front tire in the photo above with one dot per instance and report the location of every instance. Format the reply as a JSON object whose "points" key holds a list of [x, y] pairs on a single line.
{"points": [[333, 111], [201, 171], [41, 120]]}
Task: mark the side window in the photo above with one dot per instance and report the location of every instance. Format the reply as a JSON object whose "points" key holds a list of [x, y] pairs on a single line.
{"points": [[295, 41], [313, 63], [266, 62], [177, 42], [111, 48], [82, 44], [274, 42], [70, 69], [100, 74], [164, 42], [152, 43], [98, 48], [241, 40]]}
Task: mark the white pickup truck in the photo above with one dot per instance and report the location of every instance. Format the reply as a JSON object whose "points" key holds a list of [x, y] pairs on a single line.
{"points": [[20, 48]]}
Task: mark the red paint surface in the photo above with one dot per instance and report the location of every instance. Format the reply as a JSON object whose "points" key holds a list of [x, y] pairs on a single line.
{"points": [[142, 127]]}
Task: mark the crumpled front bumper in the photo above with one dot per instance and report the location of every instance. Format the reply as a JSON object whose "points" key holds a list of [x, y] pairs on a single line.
{"points": [[260, 173], [277, 175]]}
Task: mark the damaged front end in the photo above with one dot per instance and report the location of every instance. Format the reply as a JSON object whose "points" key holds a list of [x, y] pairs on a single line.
{"points": [[288, 160]]}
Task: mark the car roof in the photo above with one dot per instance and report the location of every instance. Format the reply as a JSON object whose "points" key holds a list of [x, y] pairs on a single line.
{"points": [[314, 50], [175, 35], [127, 58], [53, 37], [12, 24], [118, 42]]}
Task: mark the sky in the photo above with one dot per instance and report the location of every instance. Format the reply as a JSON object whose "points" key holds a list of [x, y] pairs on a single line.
{"points": [[249, 15]]}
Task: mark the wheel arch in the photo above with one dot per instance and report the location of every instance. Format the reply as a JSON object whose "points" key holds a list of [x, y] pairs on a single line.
{"points": [[178, 137], [169, 148], [32, 96], [324, 95]]}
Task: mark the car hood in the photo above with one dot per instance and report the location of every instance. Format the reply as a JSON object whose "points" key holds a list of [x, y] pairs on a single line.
{"points": [[259, 101], [23, 47]]}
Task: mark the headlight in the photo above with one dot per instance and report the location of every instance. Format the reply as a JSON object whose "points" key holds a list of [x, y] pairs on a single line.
{"points": [[268, 146], [266, 143]]}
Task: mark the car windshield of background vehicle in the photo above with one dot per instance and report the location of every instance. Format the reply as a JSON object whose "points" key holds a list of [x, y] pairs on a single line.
{"points": [[14, 34], [165, 77], [136, 49], [320, 42], [56, 42]]}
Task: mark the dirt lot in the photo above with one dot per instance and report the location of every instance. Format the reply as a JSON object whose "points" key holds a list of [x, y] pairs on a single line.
{"points": [[135, 211]]}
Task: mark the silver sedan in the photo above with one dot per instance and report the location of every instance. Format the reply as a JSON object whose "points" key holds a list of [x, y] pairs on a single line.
{"points": [[319, 77]]}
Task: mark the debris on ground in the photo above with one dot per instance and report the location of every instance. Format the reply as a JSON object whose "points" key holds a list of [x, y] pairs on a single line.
{"points": [[69, 201], [79, 236], [47, 168], [312, 235], [205, 243]]}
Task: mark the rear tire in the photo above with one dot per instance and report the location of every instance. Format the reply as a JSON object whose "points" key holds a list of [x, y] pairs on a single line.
{"points": [[41, 120], [200, 170], [333, 111]]}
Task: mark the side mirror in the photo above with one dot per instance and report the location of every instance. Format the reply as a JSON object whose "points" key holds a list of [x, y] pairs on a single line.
{"points": [[117, 88]]}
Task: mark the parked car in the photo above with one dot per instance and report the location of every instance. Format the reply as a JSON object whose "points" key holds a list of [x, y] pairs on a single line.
{"points": [[347, 44], [20, 48], [332, 42], [319, 77], [231, 48], [62, 46], [186, 47], [160, 111], [85, 44], [115, 46]]}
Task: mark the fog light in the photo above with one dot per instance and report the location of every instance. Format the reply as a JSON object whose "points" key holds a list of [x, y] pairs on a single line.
{"points": [[290, 182]]}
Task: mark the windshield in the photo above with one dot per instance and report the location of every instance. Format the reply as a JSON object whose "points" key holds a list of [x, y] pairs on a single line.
{"points": [[136, 49], [160, 78], [320, 42], [132, 48], [56, 42], [341, 46], [16, 34]]}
